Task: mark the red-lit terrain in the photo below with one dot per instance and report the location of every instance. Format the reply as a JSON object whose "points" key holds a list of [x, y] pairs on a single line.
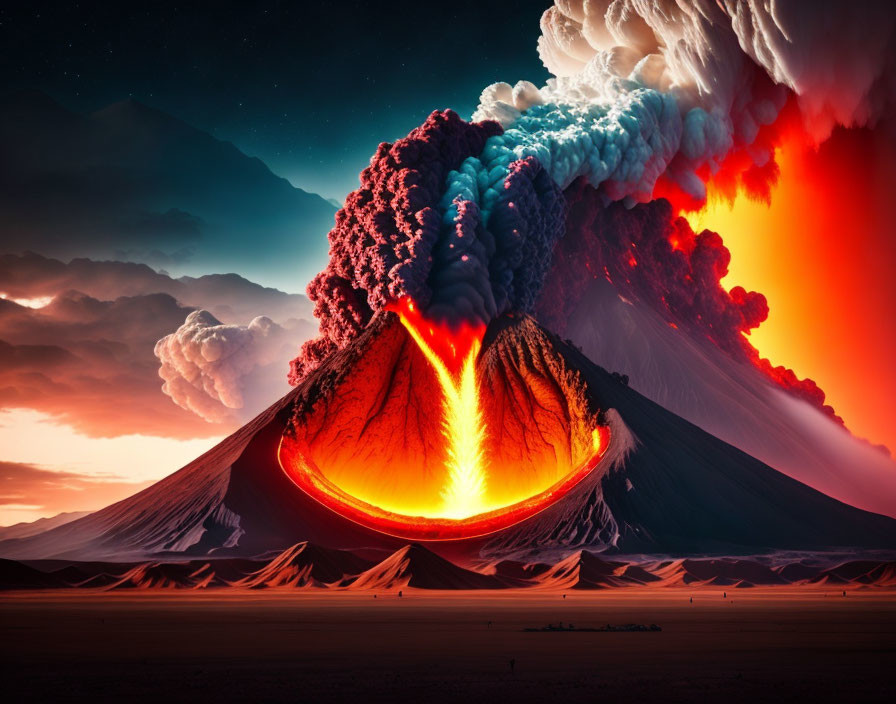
{"points": [[306, 565]]}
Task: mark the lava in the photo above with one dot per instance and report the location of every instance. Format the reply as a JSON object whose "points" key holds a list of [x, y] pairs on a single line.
{"points": [[438, 433], [452, 354]]}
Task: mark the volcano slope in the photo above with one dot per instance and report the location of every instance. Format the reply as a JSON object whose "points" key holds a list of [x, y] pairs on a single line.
{"points": [[661, 485], [665, 320]]}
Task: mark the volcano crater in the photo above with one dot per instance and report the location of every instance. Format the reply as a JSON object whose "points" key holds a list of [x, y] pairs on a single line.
{"points": [[369, 440]]}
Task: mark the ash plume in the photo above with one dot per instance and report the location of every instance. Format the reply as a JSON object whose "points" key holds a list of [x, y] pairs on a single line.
{"points": [[382, 245], [648, 100], [652, 256]]}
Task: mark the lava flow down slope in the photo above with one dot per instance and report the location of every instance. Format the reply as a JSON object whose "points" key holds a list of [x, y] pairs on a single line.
{"points": [[439, 402]]}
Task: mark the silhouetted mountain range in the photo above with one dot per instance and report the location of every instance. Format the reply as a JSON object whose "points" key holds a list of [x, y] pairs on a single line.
{"points": [[131, 182]]}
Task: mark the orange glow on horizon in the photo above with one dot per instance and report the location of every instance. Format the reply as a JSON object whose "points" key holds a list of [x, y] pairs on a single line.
{"points": [[821, 250]]}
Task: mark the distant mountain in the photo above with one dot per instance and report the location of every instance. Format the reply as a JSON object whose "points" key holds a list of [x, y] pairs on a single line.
{"points": [[132, 182], [27, 529], [414, 566], [229, 297]]}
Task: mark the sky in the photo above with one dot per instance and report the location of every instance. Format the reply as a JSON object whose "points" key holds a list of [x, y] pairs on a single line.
{"points": [[310, 88]]}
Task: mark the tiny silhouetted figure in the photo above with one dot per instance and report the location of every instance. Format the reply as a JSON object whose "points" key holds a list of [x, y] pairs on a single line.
{"points": [[512, 666], [844, 592], [724, 595], [374, 596], [400, 594], [564, 596], [692, 600]]}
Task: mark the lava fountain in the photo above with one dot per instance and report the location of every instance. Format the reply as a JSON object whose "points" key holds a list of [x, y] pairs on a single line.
{"points": [[434, 432], [452, 355]]}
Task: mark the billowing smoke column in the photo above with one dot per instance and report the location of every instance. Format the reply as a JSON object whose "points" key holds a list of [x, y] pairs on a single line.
{"points": [[382, 246], [653, 256], [649, 99]]}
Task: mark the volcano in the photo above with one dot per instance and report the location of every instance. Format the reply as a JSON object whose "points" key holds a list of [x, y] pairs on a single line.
{"points": [[577, 460]]}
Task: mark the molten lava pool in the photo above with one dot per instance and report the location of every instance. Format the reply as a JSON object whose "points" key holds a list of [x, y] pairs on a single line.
{"points": [[430, 433]]}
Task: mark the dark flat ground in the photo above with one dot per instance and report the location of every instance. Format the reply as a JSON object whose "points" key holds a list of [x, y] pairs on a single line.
{"points": [[768, 645]]}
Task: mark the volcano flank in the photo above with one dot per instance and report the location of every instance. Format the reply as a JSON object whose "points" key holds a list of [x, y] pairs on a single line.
{"points": [[367, 422]]}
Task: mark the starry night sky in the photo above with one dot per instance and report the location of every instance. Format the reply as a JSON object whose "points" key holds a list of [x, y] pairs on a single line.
{"points": [[311, 89]]}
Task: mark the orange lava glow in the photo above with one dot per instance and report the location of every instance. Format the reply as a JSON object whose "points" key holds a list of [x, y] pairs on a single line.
{"points": [[294, 460], [446, 347], [821, 247], [430, 447], [452, 354]]}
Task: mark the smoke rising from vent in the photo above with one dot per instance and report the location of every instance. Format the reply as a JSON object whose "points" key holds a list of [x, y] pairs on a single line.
{"points": [[649, 99]]}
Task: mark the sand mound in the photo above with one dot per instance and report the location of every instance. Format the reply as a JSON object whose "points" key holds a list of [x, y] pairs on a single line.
{"points": [[585, 570], [158, 575], [415, 566], [305, 564]]}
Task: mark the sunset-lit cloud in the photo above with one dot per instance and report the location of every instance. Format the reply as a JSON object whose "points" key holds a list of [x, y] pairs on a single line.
{"points": [[84, 473], [85, 355], [90, 364], [30, 492]]}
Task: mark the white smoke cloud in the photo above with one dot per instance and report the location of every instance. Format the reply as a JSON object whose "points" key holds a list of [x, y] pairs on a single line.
{"points": [[227, 372], [838, 57], [646, 87]]}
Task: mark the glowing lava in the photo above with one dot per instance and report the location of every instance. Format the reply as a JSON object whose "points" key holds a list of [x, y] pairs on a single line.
{"points": [[430, 433], [452, 355]]}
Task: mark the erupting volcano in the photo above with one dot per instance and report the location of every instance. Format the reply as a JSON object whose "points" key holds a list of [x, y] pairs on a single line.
{"points": [[439, 401]]}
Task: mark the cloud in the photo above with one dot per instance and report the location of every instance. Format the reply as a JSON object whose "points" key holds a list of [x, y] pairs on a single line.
{"points": [[90, 364], [382, 244], [837, 57], [29, 490], [224, 372], [87, 358]]}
